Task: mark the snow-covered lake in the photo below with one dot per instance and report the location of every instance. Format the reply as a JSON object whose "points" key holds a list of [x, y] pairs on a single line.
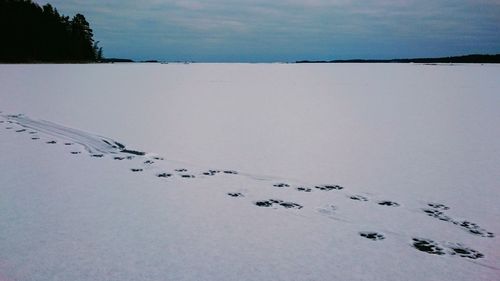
{"points": [[323, 155]]}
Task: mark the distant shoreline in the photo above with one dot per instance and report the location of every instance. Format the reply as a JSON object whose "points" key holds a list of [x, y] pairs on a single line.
{"points": [[475, 58]]}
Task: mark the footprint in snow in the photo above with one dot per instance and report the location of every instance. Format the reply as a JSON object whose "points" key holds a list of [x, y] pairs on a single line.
{"points": [[304, 189], [358, 198], [438, 206], [436, 211], [181, 170], [372, 235], [236, 194], [51, 142], [428, 246], [21, 130], [453, 249], [329, 187], [230, 172], [97, 155], [188, 176], [211, 173], [388, 203], [136, 170], [281, 185], [75, 152], [273, 202]]}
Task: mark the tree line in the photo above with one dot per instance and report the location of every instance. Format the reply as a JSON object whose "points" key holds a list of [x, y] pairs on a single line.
{"points": [[33, 33]]}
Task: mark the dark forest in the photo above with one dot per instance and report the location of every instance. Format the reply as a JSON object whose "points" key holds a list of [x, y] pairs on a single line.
{"points": [[33, 33]]}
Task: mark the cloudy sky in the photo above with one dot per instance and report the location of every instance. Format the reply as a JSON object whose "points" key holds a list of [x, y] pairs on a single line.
{"points": [[289, 30]]}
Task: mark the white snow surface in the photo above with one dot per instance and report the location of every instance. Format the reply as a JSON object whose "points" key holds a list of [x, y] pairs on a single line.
{"points": [[250, 172]]}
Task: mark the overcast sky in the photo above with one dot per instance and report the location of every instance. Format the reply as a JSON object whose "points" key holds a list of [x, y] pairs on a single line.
{"points": [[289, 30]]}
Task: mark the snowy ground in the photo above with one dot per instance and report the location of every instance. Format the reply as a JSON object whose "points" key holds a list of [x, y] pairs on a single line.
{"points": [[251, 172]]}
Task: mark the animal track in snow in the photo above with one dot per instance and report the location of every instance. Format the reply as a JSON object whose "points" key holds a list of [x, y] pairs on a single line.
{"points": [[358, 198], [164, 175], [438, 206], [329, 187], [372, 235], [211, 172], [427, 246], [235, 194], [100, 146], [431, 247], [473, 228], [273, 202], [388, 203], [463, 251]]}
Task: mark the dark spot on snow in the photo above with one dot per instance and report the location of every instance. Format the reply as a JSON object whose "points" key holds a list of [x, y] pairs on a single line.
{"points": [[158, 158], [304, 189], [97, 155], [129, 157], [237, 194], [388, 203], [32, 132], [230, 172], [68, 143], [21, 130], [75, 152], [358, 198], [427, 246], [35, 138], [51, 142], [8, 128], [135, 152], [372, 235], [136, 170], [181, 170], [164, 175], [281, 185], [329, 187], [118, 158], [188, 176], [148, 162]]}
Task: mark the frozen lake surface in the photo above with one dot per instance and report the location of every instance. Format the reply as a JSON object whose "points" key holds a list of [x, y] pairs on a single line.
{"points": [[299, 172]]}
